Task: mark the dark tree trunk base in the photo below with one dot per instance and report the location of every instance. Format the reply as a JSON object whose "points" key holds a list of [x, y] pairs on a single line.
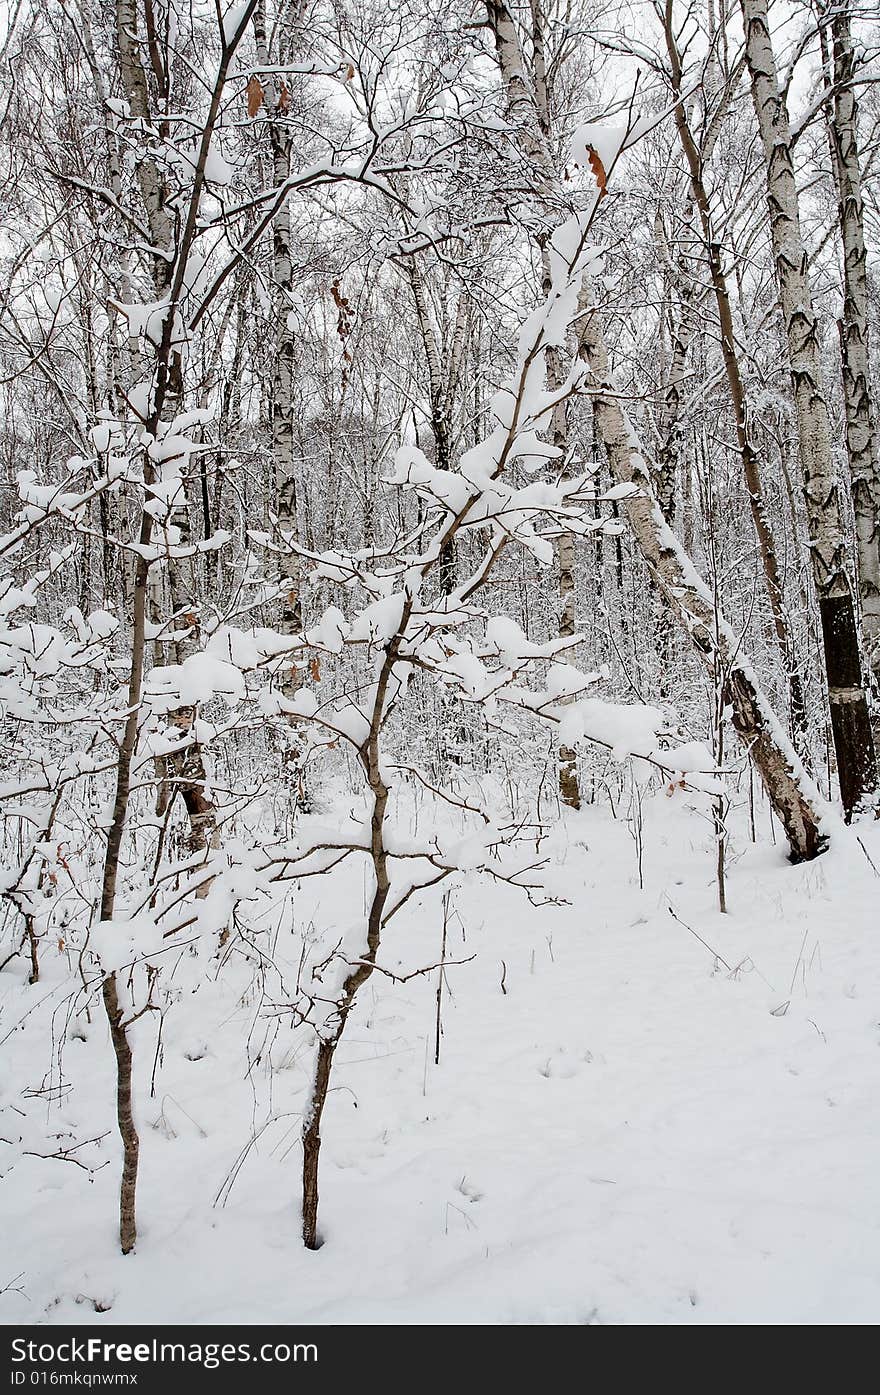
{"points": [[312, 1145], [125, 1117], [850, 718]]}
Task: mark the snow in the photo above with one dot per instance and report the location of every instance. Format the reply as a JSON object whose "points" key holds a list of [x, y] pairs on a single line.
{"points": [[331, 632], [198, 679], [628, 1134], [606, 140], [380, 621], [232, 20], [507, 639]]}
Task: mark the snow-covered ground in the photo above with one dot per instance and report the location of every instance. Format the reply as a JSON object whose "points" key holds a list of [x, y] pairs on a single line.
{"points": [[630, 1133]]}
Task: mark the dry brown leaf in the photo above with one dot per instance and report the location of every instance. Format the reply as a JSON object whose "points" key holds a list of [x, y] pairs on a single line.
{"points": [[349, 72], [598, 170], [255, 95], [315, 670]]}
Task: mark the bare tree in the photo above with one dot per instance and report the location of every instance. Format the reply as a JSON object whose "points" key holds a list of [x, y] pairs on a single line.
{"points": [[791, 793]]}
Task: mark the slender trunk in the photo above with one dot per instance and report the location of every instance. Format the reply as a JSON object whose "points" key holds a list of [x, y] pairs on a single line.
{"points": [[118, 1034], [669, 448], [569, 789], [312, 1144], [282, 401], [326, 1048], [153, 189], [441, 390], [861, 427], [850, 724], [124, 1116], [670, 466]]}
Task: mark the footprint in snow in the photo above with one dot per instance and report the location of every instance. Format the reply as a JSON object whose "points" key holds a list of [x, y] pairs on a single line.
{"points": [[468, 1190], [561, 1066]]}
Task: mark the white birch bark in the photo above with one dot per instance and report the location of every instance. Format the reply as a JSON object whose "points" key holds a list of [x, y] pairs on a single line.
{"points": [[569, 788], [861, 429]]}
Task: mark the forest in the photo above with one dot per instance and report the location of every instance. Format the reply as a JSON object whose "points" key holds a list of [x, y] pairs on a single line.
{"points": [[439, 661]]}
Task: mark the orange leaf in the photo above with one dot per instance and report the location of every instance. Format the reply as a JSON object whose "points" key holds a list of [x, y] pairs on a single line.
{"points": [[598, 170], [284, 98], [349, 72], [315, 670], [255, 95]]}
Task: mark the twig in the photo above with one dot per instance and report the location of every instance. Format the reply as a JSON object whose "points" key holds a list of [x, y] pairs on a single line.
{"points": [[703, 942], [868, 856]]}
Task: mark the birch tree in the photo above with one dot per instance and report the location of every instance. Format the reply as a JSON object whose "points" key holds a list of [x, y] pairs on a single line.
{"points": [[847, 696], [861, 425], [269, 98]]}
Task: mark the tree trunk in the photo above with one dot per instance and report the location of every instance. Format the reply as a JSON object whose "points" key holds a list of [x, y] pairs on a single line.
{"points": [[861, 429], [850, 724], [312, 1144], [569, 789], [360, 972], [442, 384], [792, 795], [670, 463], [124, 1116], [670, 443], [118, 1034], [282, 407]]}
